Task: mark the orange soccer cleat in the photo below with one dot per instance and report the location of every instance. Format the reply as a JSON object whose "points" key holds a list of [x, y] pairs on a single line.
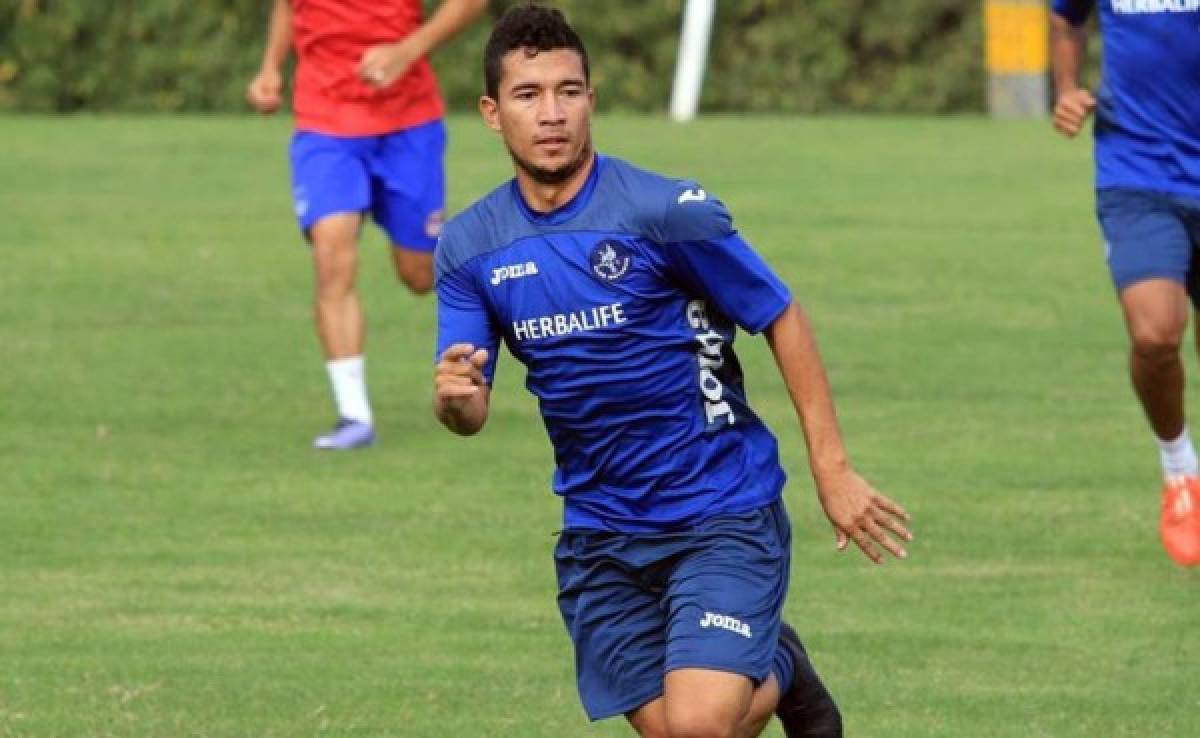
{"points": [[1180, 522]]}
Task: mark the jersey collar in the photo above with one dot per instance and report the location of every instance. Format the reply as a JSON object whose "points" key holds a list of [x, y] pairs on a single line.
{"points": [[567, 210]]}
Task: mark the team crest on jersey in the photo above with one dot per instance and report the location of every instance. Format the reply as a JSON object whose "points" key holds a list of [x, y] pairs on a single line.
{"points": [[611, 259]]}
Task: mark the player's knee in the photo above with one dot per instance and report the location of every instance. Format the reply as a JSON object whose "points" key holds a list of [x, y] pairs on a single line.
{"points": [[414, 270], [333, 273], [418, 281], [334, 282], [1156, 343]]}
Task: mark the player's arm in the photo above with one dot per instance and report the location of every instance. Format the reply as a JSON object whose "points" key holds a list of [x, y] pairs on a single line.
{"points": [[460, 391], [384, 64], [1068, 50], [857, 511], [704, 251], [467, 339], [265, 91]]}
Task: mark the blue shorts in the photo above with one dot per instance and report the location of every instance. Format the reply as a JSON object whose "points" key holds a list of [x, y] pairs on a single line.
{"points": [[398, 178], [640, 605], [1151, 235]]}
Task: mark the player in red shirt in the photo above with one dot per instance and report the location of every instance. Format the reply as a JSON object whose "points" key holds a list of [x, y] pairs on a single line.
{"points": [[369, 139]]}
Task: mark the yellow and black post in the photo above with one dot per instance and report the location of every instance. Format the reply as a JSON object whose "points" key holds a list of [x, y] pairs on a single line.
{"points": [[1017, 48]]}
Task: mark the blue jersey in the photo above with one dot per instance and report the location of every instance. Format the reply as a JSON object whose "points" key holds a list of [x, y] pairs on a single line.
{"points": [[1148, 107], [622, 305]]}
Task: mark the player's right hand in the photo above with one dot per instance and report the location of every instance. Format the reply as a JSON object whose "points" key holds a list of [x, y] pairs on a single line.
{"points": [[1071, 111], [459, 373], [265, 91]]}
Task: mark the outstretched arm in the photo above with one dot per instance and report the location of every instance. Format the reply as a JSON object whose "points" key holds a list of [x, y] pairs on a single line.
{"points": [[265, 91], [857, 511], [1072, 103], [384, 64], [460, 392]]}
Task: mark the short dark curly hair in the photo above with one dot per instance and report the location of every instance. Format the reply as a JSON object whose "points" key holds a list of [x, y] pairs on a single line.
{"points": [[528, 26]]}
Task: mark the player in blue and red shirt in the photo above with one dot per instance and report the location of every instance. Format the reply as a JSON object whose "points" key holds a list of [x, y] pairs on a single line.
{"points": [[621, 292], [1147, 150], [369, 139]]}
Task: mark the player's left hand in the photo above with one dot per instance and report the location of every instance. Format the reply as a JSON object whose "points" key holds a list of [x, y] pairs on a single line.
{"points": [[382, 65], [458, 376], [861, 514], [1071, 111]]}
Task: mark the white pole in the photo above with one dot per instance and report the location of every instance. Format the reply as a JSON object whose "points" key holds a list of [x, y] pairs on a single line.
{"points": [[693, 49]]}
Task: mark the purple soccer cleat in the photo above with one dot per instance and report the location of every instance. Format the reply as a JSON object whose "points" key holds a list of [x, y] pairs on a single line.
{"points": [[347, 434]]}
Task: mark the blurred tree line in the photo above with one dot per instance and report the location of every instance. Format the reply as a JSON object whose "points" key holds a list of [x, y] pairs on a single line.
{"points": [[766, 55]]}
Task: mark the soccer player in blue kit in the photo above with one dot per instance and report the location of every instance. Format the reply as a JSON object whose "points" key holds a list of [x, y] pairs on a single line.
{"points": [[1147, 151], [620, 291]]}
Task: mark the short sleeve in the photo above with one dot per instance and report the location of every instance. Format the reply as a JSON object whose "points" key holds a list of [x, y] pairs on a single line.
{"points": [[728, 273], [462, 317], [1075, 11], [692, 213], [704, 250]]}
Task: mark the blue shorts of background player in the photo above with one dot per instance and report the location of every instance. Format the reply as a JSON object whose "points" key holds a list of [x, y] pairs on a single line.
{"points": [[396, 178], [640, 605], [1151, 235]]}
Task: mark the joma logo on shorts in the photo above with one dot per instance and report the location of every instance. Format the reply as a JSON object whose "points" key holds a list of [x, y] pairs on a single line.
{"points": [[713, 620]]}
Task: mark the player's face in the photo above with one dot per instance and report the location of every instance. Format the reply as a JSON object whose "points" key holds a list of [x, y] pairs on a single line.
{"points": [[543, 109]]}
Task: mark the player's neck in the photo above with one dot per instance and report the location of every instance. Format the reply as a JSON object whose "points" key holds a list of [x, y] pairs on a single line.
{"points": [[544, 198]]}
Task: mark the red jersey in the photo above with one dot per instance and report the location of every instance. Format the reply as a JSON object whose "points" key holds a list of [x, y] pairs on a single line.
{"points": [[330, 37]]}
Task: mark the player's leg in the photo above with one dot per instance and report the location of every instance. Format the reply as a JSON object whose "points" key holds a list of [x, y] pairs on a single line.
{"points": [[729, 706], [806, 711], [408, 198], [1190, 213], [612, 610], [806, 708], [331, 188], [337, 310], [1180, 516], [341, 328], [725, 711], [1150, 257], [650, 720], [725, 657], [414, 268], [1156, 315]]}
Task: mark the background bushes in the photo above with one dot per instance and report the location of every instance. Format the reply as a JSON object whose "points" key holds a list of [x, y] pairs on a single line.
{"points": [[766, 56]]}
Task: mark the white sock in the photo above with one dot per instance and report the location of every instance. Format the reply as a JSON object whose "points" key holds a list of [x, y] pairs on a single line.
{"points": [[349, 380], [1178, 456]]}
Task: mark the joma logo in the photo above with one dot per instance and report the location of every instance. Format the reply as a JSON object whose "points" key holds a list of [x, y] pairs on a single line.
{"points": [[513, 271], [713, 620]]}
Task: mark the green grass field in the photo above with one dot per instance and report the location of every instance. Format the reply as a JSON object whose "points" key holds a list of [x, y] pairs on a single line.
{"points": [[175, 561]]}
